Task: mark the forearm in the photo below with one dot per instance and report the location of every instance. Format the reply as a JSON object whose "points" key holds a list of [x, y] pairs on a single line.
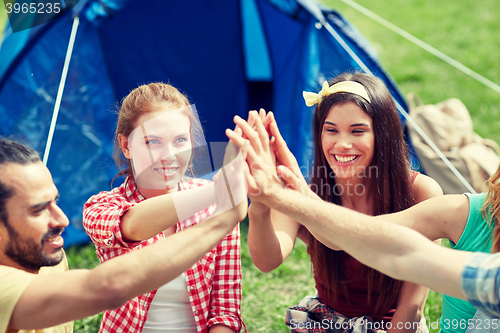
{"points": [[394, 250], [152, 216], [54, 299], [176, 254], [263, 244], [331, 224], [220, 329], [409, 312]]}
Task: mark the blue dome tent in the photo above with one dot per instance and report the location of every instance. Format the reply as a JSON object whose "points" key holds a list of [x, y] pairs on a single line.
{"points": [[228, 56]]}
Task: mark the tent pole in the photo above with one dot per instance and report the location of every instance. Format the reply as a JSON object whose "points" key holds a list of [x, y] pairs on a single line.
{"points": [[405, 114], [74, 29]]}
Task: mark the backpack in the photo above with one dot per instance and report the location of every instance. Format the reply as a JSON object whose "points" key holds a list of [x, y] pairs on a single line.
{"points": [[449, 125]]}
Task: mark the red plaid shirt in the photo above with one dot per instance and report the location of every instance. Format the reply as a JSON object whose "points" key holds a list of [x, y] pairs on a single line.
{"points": [[213, 283]]}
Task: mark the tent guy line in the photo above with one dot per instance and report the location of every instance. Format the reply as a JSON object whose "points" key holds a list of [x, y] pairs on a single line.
{"points": [[424, 45]]}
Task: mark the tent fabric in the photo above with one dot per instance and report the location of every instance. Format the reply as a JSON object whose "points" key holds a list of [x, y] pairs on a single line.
{"points": [[228, 56]]}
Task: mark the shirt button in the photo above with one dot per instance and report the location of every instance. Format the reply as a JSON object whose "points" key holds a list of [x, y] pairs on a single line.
{"points": [[190, 288], [110, 242], [197, 312]]}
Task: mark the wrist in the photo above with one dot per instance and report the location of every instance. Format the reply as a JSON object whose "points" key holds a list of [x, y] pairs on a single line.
{"points": [[258, 209]]}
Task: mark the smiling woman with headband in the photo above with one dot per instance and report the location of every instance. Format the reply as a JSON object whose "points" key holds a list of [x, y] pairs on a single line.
{"points": [[360, 162]]}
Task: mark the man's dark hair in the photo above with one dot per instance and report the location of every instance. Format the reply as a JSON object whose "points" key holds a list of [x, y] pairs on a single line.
{"points": [[13, 152]]}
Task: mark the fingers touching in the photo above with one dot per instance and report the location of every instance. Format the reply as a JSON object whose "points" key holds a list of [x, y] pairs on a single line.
{"points": [[263, 147]]}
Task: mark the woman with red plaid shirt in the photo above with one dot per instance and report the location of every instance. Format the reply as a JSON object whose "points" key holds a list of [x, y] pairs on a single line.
{"points": [[157, 131]]}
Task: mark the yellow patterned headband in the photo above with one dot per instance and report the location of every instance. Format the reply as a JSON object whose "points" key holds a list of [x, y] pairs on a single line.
{"points": [[344, 86]]}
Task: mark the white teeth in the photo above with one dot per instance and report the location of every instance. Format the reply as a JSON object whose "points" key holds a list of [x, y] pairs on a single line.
{"points": [[167, 171], [345, 159]]}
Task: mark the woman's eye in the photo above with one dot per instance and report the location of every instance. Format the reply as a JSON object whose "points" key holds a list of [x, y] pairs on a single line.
{"points": [[331, 130], [152, 142], [358, 131], [181, 140]]}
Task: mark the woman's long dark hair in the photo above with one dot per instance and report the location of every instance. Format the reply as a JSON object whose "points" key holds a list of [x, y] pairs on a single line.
{"points": [[389, 172]]}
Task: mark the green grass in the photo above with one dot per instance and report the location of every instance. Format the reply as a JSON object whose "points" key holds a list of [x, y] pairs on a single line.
{"points": [[3, 17]]}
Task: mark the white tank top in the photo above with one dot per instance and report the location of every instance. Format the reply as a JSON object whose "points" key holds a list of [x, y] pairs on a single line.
{"points": [[170, 310]]}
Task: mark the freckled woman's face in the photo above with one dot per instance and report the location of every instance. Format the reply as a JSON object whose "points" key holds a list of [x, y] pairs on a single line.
{"points": [[160, 148]]}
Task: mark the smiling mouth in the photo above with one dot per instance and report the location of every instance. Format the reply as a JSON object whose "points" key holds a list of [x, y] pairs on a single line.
{"points": [[55, 241], [166, 171], [52, 239], [345, 159]]}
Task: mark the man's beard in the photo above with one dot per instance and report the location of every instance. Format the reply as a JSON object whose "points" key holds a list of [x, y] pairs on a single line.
{"points": [[29, 254]]}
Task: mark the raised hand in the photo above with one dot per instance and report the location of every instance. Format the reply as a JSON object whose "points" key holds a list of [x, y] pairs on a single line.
{"points": [[234, 173], [261, 168], [230, 183], [255, 206], [285, 160]]}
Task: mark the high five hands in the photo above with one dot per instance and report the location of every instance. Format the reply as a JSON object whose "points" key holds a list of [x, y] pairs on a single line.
{"points": [[230, 183], [270, 167]]}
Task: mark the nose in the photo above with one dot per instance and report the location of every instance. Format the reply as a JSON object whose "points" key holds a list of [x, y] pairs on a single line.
{"points": [[168, 155], [59, 219], [344, 142]]}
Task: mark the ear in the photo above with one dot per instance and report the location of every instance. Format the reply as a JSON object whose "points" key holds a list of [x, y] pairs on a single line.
{"points": [[123, 141]]}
